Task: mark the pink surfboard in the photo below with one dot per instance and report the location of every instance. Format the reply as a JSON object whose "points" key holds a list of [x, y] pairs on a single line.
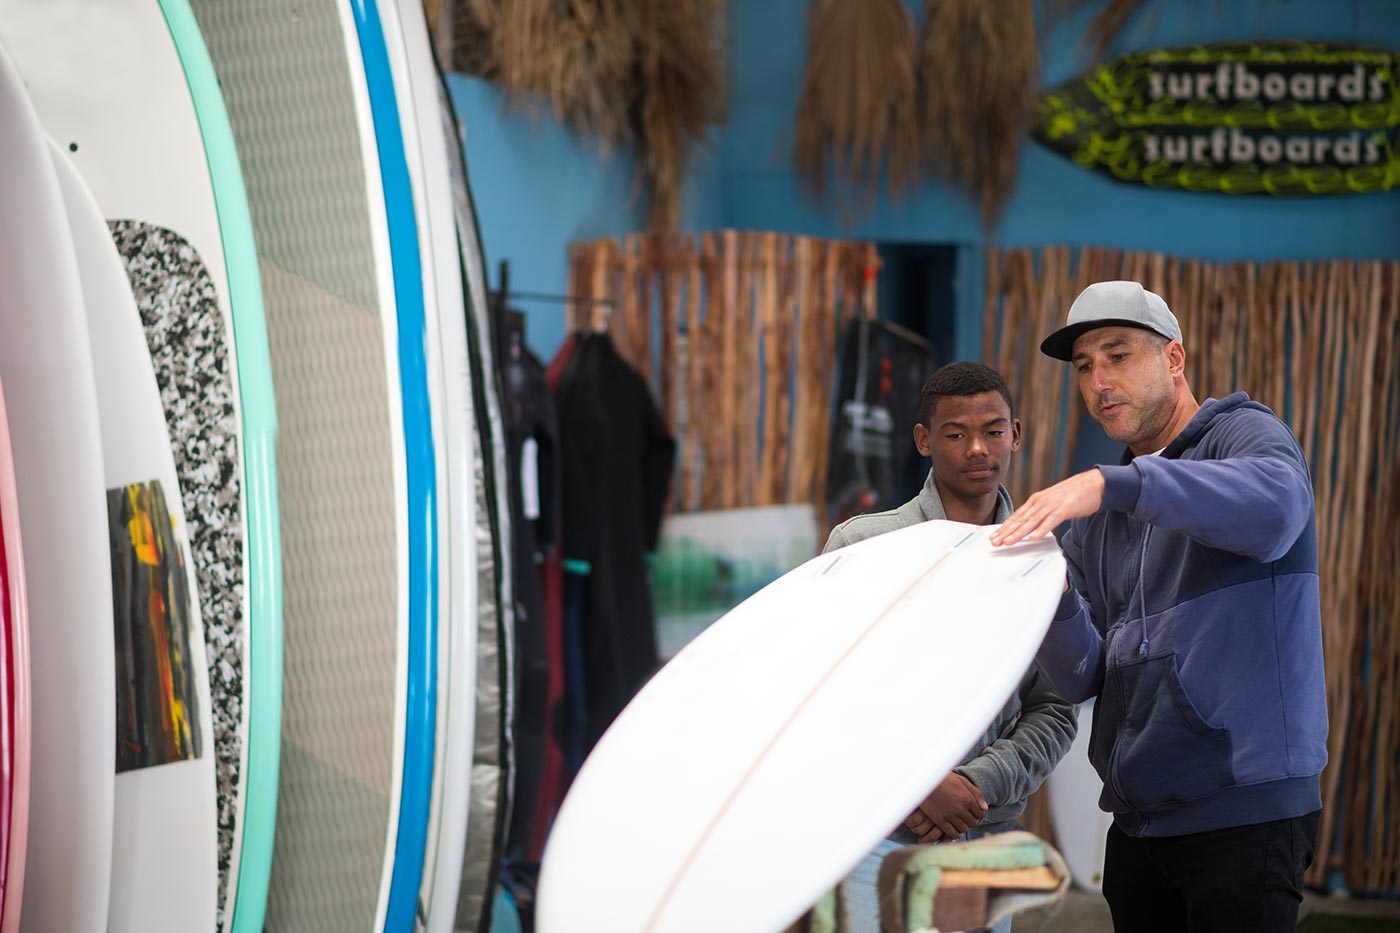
{"points": [[14, 693]]}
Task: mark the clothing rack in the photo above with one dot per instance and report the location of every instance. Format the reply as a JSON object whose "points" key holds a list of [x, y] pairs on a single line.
{"points": [[555, 298], [501, 297]]}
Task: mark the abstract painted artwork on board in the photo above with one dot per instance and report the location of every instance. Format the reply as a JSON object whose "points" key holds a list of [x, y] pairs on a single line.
{"points": [[157, 715]]}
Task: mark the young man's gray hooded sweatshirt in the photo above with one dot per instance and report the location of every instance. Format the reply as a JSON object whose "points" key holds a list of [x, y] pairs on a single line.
{"points": [[1031, 734]]}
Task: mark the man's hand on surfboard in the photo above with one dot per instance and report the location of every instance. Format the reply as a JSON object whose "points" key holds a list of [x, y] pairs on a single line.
{"points": [[954, 807], [1077, 497]]}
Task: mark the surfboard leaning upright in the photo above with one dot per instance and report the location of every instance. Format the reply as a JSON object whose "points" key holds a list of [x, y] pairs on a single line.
{"points": [[418, 697], [1081, 827], [105, 72], [332, 328], [253, 787], [46, 368], [416, 79], [164, 820], [800, 701], [491, 759], [15, 702]]}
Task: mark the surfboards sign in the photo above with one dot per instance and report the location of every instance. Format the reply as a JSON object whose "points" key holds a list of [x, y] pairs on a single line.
{"points": [[1270, 117]]}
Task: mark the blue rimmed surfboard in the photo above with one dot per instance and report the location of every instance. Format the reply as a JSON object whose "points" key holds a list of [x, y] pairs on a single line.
{"points": [[416, 83], [419, 675]]}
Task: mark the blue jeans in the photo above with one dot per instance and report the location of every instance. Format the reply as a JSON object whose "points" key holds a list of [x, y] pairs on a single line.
{"points": [[862, 894]]}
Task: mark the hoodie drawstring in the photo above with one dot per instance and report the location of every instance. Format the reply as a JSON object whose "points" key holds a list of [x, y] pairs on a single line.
{"points": [[1142, 589]]}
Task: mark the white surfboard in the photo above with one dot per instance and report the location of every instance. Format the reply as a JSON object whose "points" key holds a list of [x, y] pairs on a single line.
{"points": [[416, 77], [1081, 828], [110, 90], [759, 766], [378, 210], [164, 867], [15, 703], [46, 368]]}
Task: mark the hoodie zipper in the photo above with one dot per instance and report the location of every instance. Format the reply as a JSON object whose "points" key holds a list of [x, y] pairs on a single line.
{"points": [[1143, 648], [1111, 766]]}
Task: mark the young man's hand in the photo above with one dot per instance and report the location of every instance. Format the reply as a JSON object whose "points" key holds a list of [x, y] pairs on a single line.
{"points": [[954, 807], [1077, 497]]}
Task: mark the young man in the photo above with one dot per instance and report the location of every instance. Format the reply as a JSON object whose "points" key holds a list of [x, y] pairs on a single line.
{"points": [[1192, 612], [967, 431]]}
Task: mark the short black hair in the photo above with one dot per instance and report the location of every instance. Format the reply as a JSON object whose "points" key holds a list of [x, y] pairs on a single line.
{"points": [[962, 378]]}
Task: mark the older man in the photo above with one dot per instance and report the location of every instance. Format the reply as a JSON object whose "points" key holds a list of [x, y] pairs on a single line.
{"points": [[1192, 613]]}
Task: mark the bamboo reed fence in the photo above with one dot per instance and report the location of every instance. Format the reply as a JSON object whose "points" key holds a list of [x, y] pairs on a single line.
{"points": [[736, 333], [1317, 342]]}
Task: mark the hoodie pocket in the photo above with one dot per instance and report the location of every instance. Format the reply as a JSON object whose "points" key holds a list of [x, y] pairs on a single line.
{"points": [[1153, 746]]}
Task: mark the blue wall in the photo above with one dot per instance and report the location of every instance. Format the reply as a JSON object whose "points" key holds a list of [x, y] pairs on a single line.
{"points": [[1055, 201], [537, 187]]}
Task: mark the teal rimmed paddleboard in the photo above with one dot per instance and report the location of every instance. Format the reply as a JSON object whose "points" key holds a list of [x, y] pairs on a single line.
{"points": [[250, 865], [164, 839], [251, 856]]}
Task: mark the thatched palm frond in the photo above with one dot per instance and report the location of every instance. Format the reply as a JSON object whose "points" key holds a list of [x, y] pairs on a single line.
{"points": [[651, 71], [681, 94], [1108, 23], [858, 113], [980, 69]]}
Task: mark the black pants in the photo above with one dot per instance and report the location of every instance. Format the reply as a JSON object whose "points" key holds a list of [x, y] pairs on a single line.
{"points": [[1247, 879]]}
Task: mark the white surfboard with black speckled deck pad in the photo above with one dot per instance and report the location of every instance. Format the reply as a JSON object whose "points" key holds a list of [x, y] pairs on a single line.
{"points": [[164, 841]]}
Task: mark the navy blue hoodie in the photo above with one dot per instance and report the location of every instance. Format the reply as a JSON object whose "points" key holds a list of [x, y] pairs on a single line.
{"points": [[1193, 616]]}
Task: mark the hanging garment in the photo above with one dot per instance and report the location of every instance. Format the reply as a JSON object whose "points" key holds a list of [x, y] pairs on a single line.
{"points": [[553, 779], [555, 373], [559, 721], [617, 457]]}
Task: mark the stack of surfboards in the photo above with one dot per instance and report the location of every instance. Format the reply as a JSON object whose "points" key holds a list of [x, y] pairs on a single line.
{"points": [[334, 107], [245, 636], [144, 332], [152, 300]]}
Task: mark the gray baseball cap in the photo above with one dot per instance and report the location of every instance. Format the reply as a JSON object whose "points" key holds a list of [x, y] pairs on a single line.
{"points": [[1111, 304]]}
